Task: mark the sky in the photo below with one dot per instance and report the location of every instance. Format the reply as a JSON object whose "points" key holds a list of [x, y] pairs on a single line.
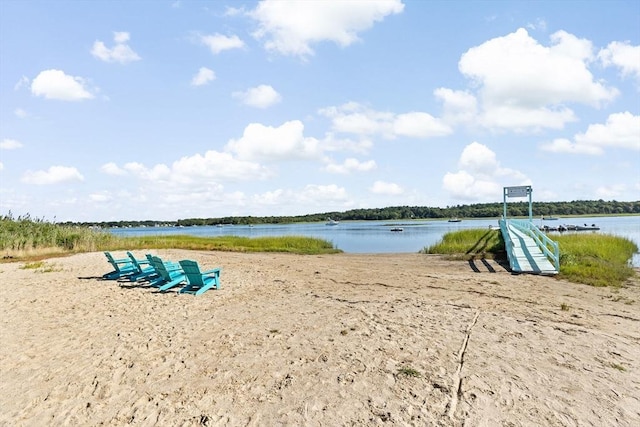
{"points": [[166, 110]]}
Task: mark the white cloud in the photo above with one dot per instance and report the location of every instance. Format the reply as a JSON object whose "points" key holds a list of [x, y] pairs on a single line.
{"points": [[290, 27], [320, 194], [24, 81], [563, 145], [459, 106], [386, 188], [159, 173], [622, 55], [55, 84], [523, 84], [286, 142], [357, 119], [121, 52], [53, 175], [419, 125], [197, 171], [204, 76], [351, 165], [465, 186], [478, 158], [10, 144], [522, 119], [218, 42], [20, 113], [331, 143], [216, 166], [311, 196], [1, 166], [262, 96], [621, 130], [481, 177], [112, 169]]}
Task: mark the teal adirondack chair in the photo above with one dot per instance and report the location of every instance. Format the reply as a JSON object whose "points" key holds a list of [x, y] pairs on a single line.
{"points": [[169, 274], [142, 272], [199, 281], [122, 267]]}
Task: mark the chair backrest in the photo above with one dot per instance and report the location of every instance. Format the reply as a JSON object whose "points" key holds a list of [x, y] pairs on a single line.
{"points": [[192, 271], [159, 267], [110, 257], [112, 261], [134, 261]]}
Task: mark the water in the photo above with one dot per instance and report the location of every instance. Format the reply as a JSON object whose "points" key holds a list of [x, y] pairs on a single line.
{"points": [[377, 237]]}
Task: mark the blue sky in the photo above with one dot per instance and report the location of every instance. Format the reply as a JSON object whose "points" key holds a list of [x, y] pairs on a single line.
{"points": [[114, 110]]}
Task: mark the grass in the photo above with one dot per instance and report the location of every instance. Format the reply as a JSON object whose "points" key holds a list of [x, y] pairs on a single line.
{"points": [[408, 372], [469, 244], [595, 259], [292, 244], [24, 238], [39, 266], [591, 259]]}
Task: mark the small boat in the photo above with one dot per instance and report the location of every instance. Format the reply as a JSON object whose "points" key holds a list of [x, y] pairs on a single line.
{"points": [[396, 229], [455, 220], [587, 227], [332, 222], [549, 218]]}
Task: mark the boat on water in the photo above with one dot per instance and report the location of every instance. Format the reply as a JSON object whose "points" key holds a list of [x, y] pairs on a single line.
{"points": [[587, 227], [549, 218], [569, 227], [332, 222], [397, 229], [455, 220]]}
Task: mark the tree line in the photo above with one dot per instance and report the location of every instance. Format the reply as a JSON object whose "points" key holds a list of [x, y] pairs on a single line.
{"points": [[480, 210]]}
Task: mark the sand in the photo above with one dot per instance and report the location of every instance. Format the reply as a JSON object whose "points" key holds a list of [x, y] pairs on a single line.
{"points": [[331, 340]]}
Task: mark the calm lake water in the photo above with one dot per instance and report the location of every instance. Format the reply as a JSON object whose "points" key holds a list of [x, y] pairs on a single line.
{"points": [[377, 237]]}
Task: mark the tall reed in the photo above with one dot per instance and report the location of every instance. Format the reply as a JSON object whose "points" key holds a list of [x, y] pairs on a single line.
{"points": [[24, 235]]}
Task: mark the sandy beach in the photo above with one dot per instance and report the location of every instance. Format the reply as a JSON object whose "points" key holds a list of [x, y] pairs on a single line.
{"points": [[328, 340]]}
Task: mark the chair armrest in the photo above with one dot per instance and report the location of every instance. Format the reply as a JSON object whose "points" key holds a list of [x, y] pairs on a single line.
{"points": [[215, 270]]}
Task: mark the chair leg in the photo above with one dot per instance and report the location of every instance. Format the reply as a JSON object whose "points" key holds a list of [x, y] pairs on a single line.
{"points": [[171, 284]]}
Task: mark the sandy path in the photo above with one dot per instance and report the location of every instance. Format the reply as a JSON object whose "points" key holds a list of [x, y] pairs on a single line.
{"points": [[317, 340]]}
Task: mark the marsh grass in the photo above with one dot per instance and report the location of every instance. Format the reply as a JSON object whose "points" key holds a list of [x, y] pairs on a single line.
{"points": [[469, 244], [596, 259], [24, 238], [592, 259], [292, 244]]}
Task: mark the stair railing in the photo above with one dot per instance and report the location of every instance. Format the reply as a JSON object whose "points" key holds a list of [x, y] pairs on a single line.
{"points": [[549, 247]]}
